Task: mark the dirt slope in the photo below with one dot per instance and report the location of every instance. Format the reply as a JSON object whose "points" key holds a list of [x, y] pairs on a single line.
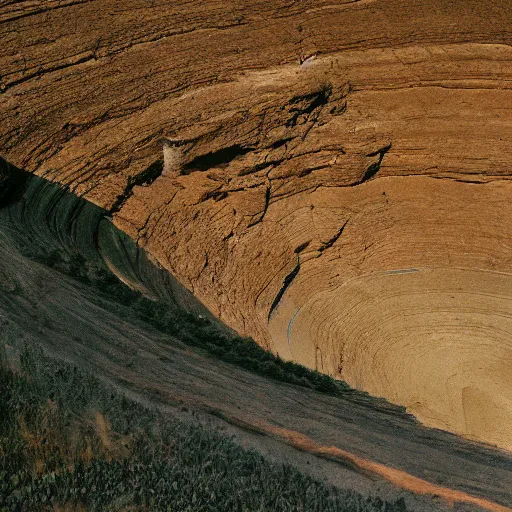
{"points": [[350, 441], [314, 154]]}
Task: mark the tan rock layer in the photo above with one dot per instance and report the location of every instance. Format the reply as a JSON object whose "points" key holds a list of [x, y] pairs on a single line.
{"points": [[345, 203]]}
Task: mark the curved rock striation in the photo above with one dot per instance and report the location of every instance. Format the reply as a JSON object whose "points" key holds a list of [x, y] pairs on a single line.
{"points": [[332, 180], [43, 219]]}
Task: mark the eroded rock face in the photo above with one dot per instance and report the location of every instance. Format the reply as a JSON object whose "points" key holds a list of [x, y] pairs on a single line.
{"points": [[346, 203]]}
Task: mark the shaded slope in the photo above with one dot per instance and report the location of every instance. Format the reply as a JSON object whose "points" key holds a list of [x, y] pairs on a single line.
{"points": [[70, 442], [72, 321]]}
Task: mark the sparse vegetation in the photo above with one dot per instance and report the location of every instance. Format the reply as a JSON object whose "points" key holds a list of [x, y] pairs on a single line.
{"points": [[189, 328], [68, 442]]}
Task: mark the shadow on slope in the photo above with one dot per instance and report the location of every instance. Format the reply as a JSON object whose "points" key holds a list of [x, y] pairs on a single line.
{"points": [[74, 320], [53, 226], [66, 440]]}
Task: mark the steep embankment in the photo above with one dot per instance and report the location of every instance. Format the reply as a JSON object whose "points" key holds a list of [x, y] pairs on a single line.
{"points": [[346, 211], [349, 440]]}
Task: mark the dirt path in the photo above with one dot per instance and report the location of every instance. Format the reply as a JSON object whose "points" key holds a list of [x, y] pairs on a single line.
{"points": [[399, 478]]}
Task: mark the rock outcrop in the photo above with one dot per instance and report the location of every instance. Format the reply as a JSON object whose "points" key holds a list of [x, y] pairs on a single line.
{"points": [[331, 179]]}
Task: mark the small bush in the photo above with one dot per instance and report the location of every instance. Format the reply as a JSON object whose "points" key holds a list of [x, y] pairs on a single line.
{"points": [[190, 329]]}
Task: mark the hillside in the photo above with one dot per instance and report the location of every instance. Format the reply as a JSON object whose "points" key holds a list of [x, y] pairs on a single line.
{"points": [[302, 207], [66, 311], [329, 179]]}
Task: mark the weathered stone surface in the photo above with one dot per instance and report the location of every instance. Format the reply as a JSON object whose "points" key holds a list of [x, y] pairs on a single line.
{"points": [[336, 179]]}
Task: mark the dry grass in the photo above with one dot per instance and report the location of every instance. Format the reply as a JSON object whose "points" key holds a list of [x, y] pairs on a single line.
{"points": [[89, 448]]}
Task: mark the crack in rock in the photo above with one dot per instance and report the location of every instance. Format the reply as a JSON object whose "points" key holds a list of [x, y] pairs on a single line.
{"points": [[145, 178]]}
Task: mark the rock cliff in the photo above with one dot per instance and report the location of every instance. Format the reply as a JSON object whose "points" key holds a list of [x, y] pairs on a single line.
{"points": [[331, 179]]}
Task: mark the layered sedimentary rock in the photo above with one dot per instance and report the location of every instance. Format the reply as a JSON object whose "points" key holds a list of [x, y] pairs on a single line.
{"points": [[341, 437], [332, 180]]}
